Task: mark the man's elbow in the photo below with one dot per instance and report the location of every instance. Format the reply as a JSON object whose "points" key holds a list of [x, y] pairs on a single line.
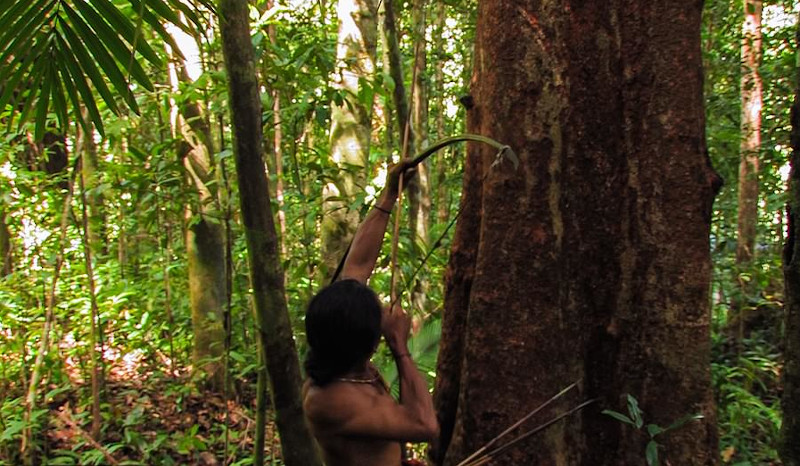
{"points": [[431, 429], [425, 429]]}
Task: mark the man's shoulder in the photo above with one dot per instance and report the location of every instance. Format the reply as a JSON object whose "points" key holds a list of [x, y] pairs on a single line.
{"points": [[335, 403]]}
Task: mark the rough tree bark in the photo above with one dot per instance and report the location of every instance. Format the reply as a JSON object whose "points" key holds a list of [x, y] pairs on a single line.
{"points": [[266, 276], [750, 132], [592, 259], [350, 126], [790, 428]]}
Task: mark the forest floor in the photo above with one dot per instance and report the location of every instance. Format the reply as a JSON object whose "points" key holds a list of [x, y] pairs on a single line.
{"points": [[153, 418]]}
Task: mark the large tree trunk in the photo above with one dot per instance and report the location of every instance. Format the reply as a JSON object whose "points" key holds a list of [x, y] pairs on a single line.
{"points": [[266, 275], [750, 132], [790, 428], [350, 126], [591, 261]]}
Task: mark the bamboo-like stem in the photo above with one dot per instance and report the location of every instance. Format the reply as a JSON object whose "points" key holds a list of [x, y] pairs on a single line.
{"points": [[167, 253], [96, 365], [228, 288]]}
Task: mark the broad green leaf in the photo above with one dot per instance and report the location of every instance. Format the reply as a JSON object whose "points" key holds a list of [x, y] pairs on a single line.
{"points": [[634, 411], [619, 416], [12, 430], [654, 430], [651, 453]]}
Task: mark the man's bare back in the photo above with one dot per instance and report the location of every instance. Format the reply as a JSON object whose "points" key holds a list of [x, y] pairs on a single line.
{"points": [[330, 408]]}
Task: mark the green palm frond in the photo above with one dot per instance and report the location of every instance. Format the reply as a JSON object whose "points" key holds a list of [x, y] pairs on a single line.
{"points": [[57, 55]]}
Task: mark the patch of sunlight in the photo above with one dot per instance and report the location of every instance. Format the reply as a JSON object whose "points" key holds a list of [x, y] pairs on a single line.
{"points": [[32, 236], [7, 171], [784, 170], [778, 17], [187, 46]]}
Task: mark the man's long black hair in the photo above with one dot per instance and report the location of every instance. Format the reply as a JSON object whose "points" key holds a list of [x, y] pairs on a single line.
{"points": [[343, 328]]}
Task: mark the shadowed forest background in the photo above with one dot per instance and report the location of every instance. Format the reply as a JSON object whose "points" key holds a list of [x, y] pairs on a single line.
{"points": [[155, 270]]}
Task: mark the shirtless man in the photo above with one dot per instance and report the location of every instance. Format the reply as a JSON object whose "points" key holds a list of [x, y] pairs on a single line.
{"points": [[351, 412]]}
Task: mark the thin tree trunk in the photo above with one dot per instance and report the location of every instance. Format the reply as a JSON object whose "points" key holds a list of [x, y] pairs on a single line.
{"points": [[419, 187], [266, 275], [277, 143], [747, 219], [122, 244], [94, 198], [750, 132], [351, 127], [96, 365], [442, 200], [165, 225], [44, 346], [385, 108], [790, 427], [399, 97], [5, 245], [590, 261]]}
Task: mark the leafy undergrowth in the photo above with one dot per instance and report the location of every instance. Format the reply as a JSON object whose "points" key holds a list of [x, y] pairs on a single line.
{"points": [[149, 418], [748, 391]]}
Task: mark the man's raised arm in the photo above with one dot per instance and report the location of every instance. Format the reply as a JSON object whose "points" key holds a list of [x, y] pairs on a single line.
{"points": [[369, 237]]}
